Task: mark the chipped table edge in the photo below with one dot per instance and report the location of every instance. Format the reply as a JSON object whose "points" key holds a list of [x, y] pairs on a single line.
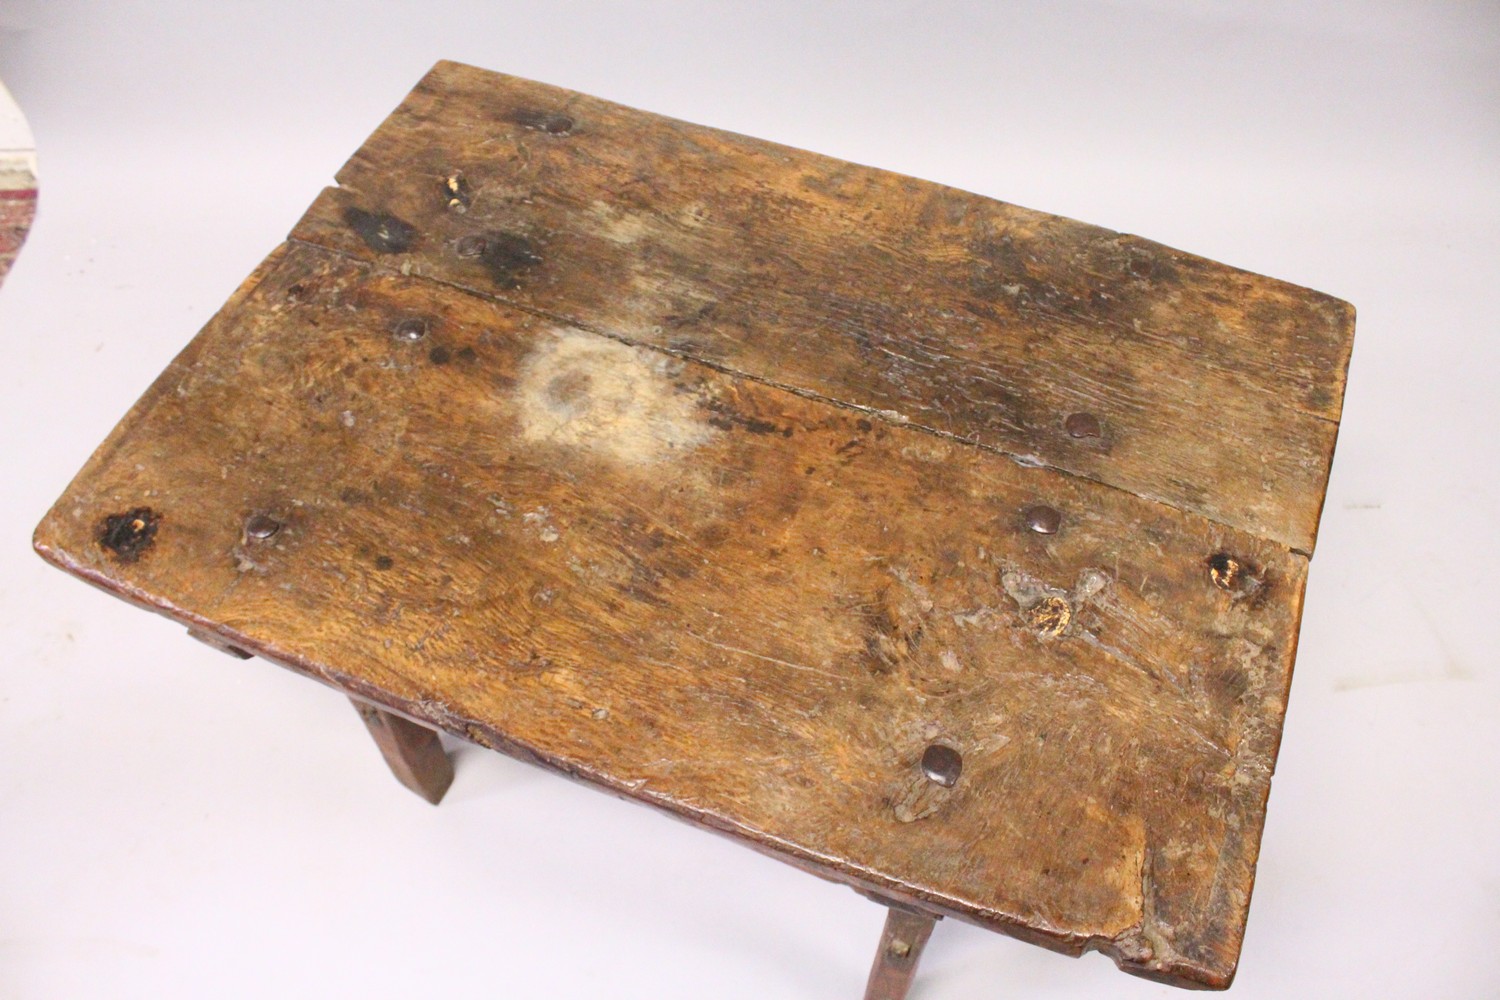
{"points": [[1119, 948]]}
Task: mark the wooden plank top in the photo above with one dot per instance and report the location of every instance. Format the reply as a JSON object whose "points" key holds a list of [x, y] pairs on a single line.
{"points": [[735, 479], [1215, 390]]}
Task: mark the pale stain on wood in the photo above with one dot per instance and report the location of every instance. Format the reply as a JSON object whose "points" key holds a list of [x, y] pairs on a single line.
{"points": [[579, 391], [686, 464]]}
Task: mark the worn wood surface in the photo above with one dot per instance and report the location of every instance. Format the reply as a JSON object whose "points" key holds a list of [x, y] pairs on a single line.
{"points": [[741, 562], [1216, 390]]}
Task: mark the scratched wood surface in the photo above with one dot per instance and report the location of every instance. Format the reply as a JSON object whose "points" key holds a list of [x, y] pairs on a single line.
{"points": [[1217, 391], [750, 568]]}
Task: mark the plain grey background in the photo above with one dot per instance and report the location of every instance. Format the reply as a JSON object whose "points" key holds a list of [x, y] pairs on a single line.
{"points": [[177, 824]]}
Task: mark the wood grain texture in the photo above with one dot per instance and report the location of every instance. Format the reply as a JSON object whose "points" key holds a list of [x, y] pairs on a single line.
{"points": [[750, 608], [1216, 391]]}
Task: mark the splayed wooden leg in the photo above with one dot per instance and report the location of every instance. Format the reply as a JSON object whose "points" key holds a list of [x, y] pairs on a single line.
{"points": [[414, 753], [906, 933], [218, 642]]}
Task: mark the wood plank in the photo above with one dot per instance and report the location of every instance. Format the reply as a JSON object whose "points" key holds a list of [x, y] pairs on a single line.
{"points": [[754, 610], [1213, 390]]}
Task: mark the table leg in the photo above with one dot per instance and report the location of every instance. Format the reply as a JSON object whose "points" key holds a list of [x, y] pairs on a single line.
{"points": [[906, 933], [222, 645], [414, 753]]}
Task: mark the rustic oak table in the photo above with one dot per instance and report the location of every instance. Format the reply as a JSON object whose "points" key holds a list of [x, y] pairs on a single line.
{"points": [[940, 547]]}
